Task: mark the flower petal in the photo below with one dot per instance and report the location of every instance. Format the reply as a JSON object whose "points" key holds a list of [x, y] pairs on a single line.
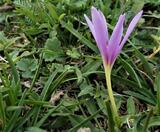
{"points": [[90, 24], [116, 38], [105, 26], [101, 32], [131, 27], [117, 32], [100, 26]]}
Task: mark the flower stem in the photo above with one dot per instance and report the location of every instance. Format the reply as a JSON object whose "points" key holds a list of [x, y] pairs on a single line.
{"points": [[110, 93]]}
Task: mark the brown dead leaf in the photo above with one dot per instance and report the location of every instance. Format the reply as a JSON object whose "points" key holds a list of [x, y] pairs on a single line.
{"points": [[84, 130], [56, 97]]}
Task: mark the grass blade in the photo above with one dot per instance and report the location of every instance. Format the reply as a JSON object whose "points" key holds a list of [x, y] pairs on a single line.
{"points": [[69, 27], [83, 122], [157, 87]]}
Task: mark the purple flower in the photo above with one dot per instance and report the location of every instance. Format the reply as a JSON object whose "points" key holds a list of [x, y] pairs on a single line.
{"points": [[109, 47]]}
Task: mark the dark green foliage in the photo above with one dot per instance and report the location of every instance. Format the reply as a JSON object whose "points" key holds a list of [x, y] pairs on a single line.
{"points": [[51, 73]]}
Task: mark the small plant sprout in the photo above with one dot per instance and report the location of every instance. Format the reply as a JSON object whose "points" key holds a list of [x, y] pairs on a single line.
{"points": [[110, 47]]}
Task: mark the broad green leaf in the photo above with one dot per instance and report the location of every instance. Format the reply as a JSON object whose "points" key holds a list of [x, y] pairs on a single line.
{"points": [[131, 106], [87, 90], [53, 50], [27, 66], [73, 53]]}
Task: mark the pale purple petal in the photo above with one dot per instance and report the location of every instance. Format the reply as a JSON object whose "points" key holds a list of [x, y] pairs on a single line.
{"points": [[115, 55], [131, 27], [117, 32], [105, 26], [101, 33], [90, 24], [116, 38], [129, 31], [100, 26]]}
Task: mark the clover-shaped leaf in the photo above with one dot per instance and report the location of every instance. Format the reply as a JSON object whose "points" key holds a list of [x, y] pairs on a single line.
{"points": [[27, 66], [53, 50]]}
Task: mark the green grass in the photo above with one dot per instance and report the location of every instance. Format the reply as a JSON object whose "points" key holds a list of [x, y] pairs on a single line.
{"points": [[51, 73]]}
